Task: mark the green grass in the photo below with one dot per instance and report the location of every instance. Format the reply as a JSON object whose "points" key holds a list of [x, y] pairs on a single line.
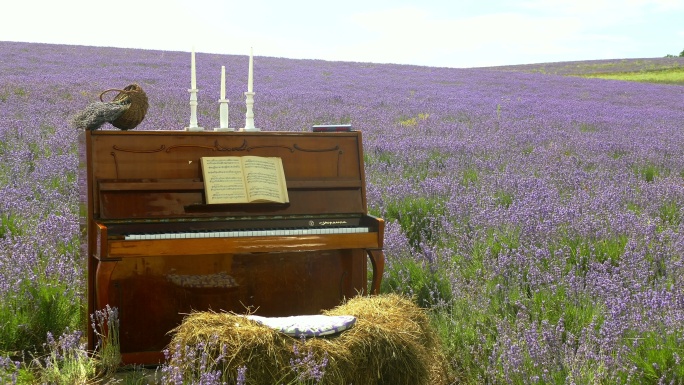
{"points": [[415, 216], [670, 213], [650, 172], [63, 360], [504, 198], [465, 332], [657, 355], [26, 323], [664, 76], [429, 285]]}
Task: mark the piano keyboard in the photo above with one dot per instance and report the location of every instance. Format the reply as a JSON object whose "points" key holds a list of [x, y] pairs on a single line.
{"points": [[248, 233]]}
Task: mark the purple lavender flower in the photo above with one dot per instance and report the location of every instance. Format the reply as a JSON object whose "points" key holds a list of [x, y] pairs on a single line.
{"points": [[306, 366], [241, 379], [9, 370]]}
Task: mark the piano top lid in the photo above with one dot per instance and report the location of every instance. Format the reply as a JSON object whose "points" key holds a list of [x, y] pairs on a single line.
{"points": [[157, 174]]}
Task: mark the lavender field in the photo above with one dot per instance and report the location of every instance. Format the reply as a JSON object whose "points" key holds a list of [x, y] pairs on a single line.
{"points": [[539, 217]]}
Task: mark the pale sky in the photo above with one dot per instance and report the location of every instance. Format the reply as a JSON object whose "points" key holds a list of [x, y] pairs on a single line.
{"points": [[437, 33]]}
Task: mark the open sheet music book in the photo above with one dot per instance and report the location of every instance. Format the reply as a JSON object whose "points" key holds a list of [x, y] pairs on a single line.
{"points": [[244, 179]]}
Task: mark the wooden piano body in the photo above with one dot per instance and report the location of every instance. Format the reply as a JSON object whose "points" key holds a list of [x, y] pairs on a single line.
{"points": [[294, 260]]}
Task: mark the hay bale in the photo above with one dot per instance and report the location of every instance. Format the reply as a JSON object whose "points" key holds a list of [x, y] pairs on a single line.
{"points": [[391, 343]]}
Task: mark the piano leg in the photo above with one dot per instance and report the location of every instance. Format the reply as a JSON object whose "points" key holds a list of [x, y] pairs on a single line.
{"points": [[102, 279], [103, 273], [377, 258]]}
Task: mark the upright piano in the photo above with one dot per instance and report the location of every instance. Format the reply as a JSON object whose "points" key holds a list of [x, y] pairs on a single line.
{"points": [[157, 251]]}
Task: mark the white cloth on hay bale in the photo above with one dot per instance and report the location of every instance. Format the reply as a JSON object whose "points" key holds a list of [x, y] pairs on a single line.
{"points": [[307, 325]]}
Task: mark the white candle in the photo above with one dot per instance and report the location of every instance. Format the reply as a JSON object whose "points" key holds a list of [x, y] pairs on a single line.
{"points": [[223, 82], [250, 74], [193, 78]]}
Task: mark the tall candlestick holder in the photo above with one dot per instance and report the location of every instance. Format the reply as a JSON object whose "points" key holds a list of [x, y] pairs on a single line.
{"points": [[249, 114], [193, 111], [223, 116]]}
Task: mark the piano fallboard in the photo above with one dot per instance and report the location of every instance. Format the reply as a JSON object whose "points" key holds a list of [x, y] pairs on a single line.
{"points": [[120, 228]]}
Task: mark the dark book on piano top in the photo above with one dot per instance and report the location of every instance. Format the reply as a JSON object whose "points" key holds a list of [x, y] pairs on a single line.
{"points": [[331, 128], [244, 179]]}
